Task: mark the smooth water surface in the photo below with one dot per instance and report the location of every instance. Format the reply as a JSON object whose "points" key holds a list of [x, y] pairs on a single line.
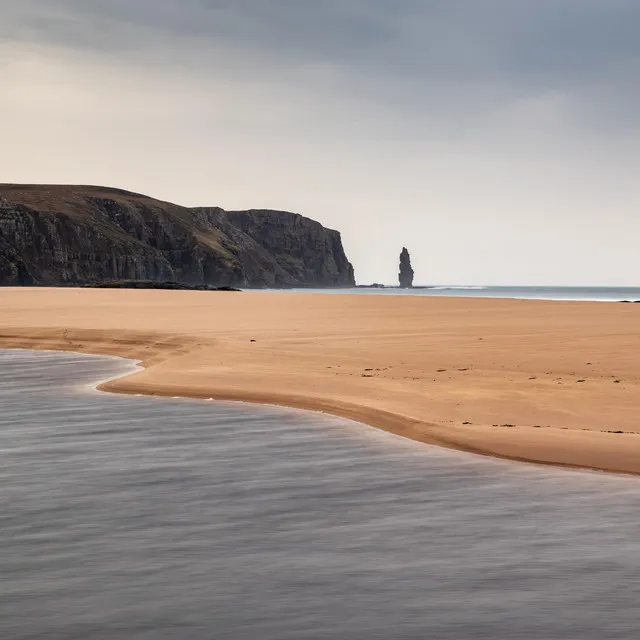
{"points": [[594, 294], [133, 517]]}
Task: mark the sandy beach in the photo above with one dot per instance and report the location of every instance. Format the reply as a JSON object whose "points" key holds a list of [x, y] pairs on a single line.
{"points": [[547, 382]]}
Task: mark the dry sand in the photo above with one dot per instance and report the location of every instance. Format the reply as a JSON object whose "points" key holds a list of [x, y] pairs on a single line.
{"points": [[545, 382]]}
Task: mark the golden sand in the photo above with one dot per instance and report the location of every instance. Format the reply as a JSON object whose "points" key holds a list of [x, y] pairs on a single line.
{"points": [[546, 382]]}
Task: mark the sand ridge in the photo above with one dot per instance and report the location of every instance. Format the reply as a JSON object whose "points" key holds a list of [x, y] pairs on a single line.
{"points": [[547, 382]]}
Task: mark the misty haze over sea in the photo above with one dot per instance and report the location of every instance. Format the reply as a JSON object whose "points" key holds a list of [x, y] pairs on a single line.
{"points": [[143, 518]]}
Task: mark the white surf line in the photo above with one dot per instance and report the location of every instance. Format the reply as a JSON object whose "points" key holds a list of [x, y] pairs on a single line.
{"points": [[132, 366], [129, 366]]}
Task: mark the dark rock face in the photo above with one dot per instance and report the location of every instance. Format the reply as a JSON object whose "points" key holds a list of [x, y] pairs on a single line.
{"points": [[157, 284], [80, 235], [281, 249], [406, 272]]}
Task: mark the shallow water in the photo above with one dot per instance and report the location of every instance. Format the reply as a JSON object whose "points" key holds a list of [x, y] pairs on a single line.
{"points": [[132, 517], [593, 294]]}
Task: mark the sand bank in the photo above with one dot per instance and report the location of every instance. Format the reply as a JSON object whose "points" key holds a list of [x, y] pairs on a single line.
{"points": [[547, 382]]}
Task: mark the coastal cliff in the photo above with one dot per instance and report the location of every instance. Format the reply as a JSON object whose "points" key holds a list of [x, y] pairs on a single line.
{"points": [[53, 234]]}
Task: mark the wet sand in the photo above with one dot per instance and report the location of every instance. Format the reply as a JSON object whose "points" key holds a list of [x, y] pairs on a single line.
{"points": [[547, 382]]}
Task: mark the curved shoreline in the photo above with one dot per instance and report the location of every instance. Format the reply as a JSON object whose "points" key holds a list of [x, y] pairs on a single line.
{"points": [[363, 358], [395, 424]]}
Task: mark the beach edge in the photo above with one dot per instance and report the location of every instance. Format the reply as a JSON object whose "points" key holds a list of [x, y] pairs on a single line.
{"points": [[389, 422]]}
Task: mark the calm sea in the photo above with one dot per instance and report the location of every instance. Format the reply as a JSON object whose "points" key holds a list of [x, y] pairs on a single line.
{"points": [[141, 518], [599, 294]]}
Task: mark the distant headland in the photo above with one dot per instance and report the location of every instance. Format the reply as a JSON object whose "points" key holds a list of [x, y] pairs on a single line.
{"points": [[60, 235]]}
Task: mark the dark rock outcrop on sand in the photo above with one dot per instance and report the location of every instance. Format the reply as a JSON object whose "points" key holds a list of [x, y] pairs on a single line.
{"points": [[406, 272], [155, 284], [55, 235]]}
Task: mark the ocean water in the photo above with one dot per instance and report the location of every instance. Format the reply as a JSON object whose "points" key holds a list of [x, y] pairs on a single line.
{"points": [[597, 294], [141, 518]]}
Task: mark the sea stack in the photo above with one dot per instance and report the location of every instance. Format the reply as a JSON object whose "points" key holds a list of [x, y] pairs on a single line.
{"points": [[406, 272]]}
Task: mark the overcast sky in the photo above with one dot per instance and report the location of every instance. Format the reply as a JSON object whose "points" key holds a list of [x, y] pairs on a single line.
{"points": [[499, 140]]}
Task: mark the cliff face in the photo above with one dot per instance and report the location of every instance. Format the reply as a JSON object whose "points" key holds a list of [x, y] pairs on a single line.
{"points": [[77, 235], [284, 249]]}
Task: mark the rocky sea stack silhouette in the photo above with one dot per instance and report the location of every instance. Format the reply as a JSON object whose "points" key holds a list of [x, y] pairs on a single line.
{"points": [[406, 272]]}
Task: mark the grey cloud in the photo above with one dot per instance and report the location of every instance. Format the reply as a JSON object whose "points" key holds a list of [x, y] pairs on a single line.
{"points": [[543, 40], [443, 54]]}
